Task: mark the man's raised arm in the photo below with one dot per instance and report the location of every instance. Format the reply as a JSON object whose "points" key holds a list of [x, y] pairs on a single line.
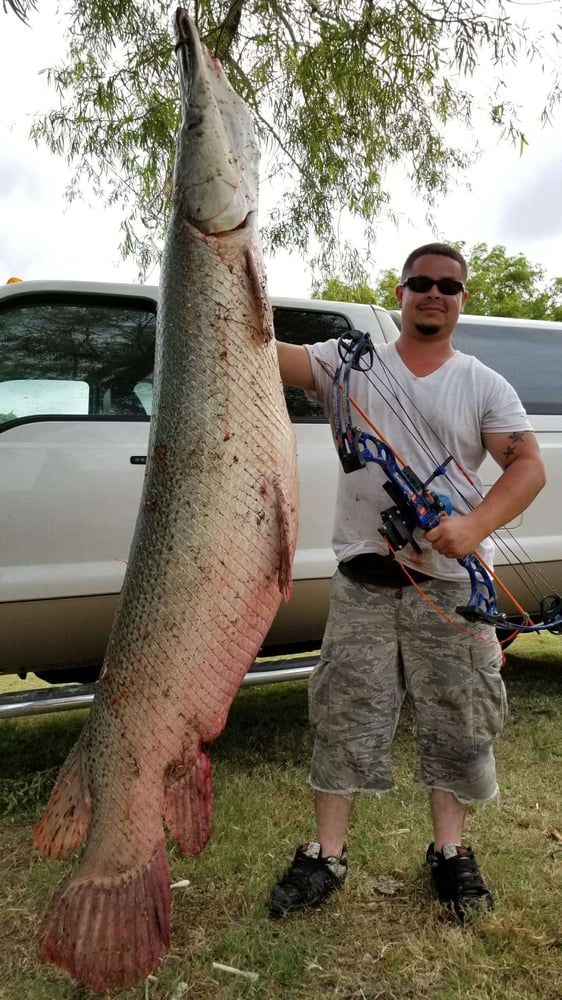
{"points": [[295, 367]]}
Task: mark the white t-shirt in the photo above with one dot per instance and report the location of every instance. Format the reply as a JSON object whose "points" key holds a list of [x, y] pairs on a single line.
{"points": [[455, 405]]}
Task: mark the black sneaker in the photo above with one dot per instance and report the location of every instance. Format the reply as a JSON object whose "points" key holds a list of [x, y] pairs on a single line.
{"points": [[458, 881], [308, 882]]}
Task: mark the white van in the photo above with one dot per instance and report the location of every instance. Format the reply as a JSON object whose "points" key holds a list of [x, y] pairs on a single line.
{"points": [[76, 365], [75, 401]]}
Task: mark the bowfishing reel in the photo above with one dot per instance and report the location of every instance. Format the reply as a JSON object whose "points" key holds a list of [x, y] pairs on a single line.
{"points": [[414, 507]]}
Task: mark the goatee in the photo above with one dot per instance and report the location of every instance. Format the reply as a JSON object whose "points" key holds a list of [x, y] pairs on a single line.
{"points": [[426, 329]]}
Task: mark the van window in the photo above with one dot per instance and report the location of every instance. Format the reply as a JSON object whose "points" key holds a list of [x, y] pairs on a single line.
{"points": [[529, 358], [32, 397], [69, 356], [306, 326]]}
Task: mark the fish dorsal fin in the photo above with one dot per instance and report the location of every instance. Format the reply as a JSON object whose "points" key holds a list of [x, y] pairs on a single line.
{"points": [[64, 824]]}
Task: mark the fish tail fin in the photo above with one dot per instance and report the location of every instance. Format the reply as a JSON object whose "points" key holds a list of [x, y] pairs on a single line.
{"points": [[65, 821], [188, 803], [110, 932]]}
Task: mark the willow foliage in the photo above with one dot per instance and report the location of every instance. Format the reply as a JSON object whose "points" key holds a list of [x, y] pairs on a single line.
{"points": [[21, 8], [340, 92]]}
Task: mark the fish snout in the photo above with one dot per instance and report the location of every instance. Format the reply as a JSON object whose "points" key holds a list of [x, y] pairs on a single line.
{"points": [[216, 171], [187, 48]]}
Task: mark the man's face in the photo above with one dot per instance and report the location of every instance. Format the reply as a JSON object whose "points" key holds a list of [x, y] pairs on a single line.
{"points": [[431, 314]]}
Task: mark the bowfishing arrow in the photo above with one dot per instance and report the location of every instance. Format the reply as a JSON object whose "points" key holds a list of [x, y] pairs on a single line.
{"points": [[414, 505]]}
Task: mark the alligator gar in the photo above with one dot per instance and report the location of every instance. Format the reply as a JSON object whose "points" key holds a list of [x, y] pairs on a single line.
{"points": [[210, 560]]}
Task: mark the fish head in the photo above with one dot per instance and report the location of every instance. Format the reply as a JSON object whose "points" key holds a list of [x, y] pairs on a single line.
{"points": [[217, 155]]}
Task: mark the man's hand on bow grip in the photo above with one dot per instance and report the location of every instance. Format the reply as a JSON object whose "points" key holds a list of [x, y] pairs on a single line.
{"points": [[455, 536]]}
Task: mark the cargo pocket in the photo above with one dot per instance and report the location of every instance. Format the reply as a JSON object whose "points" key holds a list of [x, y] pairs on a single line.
{"points": [[319, 698], [489, 698]]}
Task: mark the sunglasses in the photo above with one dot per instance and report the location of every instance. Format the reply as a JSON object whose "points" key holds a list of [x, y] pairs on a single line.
{"points": [[421, 283]]}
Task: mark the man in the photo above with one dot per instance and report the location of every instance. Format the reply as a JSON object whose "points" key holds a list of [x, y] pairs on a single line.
{"points": [[382, 638]]}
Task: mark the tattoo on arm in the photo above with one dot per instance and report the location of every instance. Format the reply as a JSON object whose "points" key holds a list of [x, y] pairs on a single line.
{"points": [[509, 452]]}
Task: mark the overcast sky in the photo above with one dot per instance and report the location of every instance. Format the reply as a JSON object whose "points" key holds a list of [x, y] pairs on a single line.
{"points": [[515, 201]]}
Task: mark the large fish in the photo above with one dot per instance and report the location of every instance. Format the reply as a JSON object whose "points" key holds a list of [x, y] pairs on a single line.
{"points": [[210, 559]]}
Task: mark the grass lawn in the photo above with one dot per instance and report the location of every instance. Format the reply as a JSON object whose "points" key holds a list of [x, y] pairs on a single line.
{"points": [[382, 937]]}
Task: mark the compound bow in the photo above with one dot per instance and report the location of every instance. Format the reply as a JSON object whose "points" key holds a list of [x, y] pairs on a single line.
{"points": [[413, 504]]}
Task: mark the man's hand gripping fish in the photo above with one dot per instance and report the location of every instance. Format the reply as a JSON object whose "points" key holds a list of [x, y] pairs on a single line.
{"points": [[211, 557]]}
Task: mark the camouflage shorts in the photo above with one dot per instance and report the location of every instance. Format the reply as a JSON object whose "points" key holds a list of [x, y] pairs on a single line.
{"points": [[382, 643]]}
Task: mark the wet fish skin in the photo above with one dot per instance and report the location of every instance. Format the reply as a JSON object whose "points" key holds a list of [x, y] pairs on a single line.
{"points": [[210, 559]]}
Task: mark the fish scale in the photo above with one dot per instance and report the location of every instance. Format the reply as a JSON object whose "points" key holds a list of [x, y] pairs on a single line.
{"points": [[210, 559]]}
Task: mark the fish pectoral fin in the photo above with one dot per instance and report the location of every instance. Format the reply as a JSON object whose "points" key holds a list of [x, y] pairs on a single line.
{"points": [[287, 524], [256, 272], [65, 821], [110, 932], [188, 803]]}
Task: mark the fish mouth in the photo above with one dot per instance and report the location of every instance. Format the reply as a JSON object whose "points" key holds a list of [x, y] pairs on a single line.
{"points": [[207, 231]]}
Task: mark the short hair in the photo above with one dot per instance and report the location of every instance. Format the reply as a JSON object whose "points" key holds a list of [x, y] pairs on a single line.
{"points": [[439, 250]]}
